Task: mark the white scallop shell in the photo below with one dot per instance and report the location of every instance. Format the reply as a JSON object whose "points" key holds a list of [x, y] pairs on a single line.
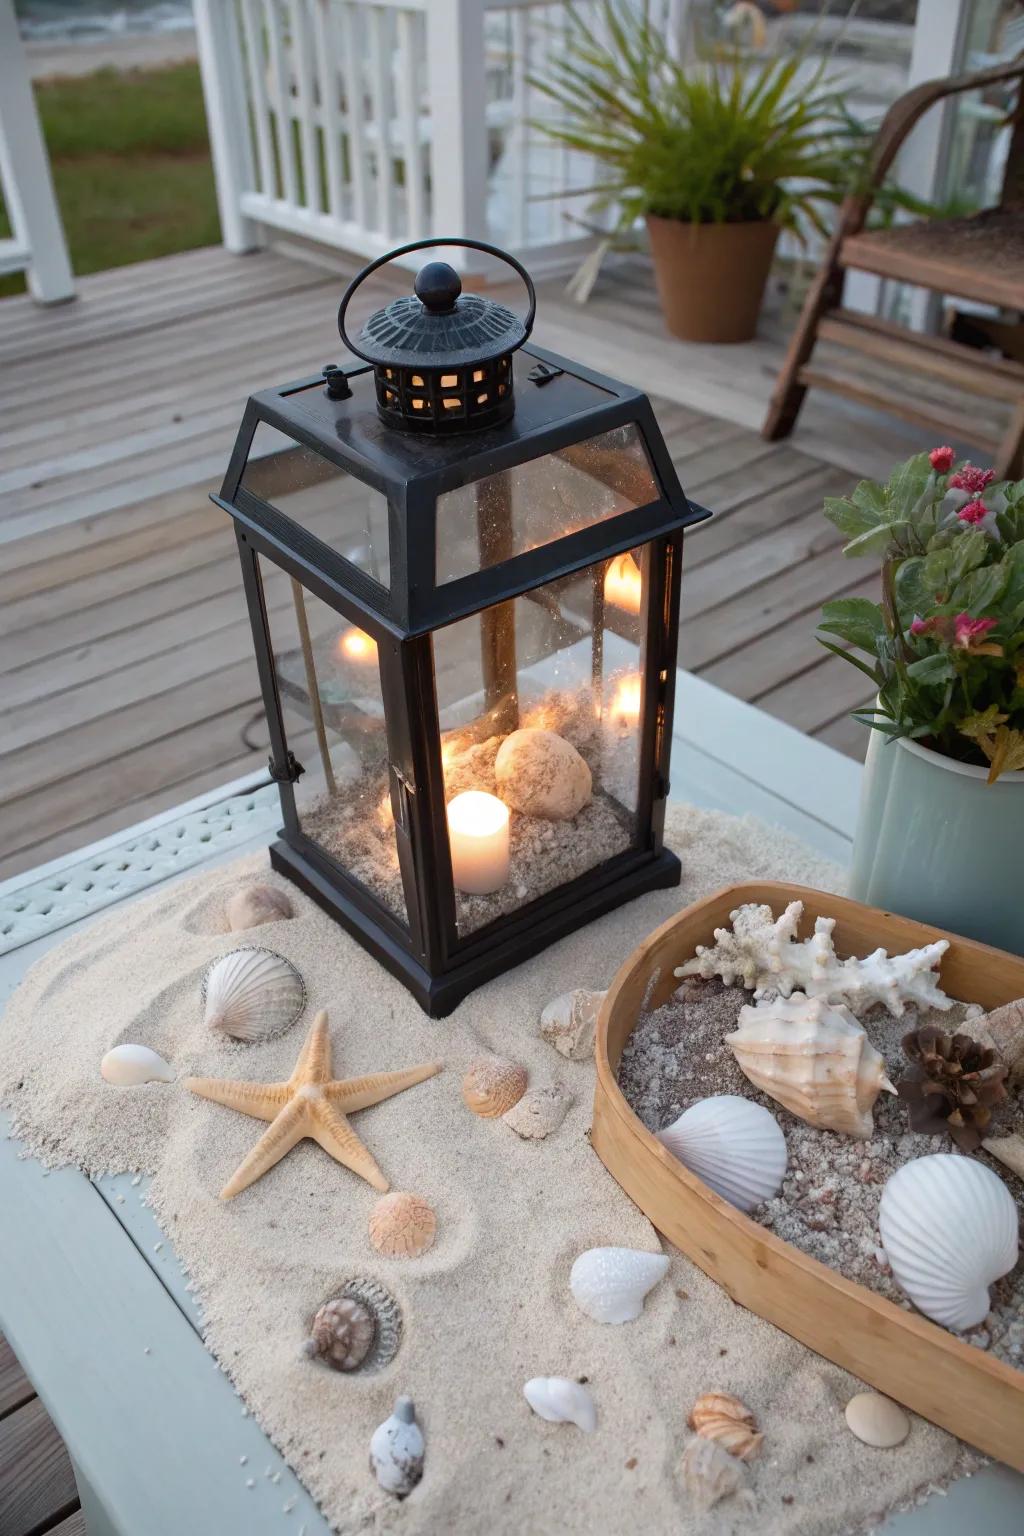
{"points": [[252, 994], [561, 1401], [734, 1145], [609, 1284], [129, 1065], [949, 1228]]}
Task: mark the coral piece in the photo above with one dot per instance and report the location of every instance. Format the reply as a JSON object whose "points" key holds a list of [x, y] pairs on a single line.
{"points": [[949, 1228], [252, 994], [397, 1450], [402, 1225], [1003, 1029], [253, 905], [764, 955], [814, 1059], [342, 1334], [734, 1145], [569, 1023], [126, 1066], [609, 1284], [877, 1420], [711, 1474], [311, 1103], [561, 1401], [729, 1422], [539, 1112], [539, 773], [1009, 1150], [492, 1085], [952, 1085]]}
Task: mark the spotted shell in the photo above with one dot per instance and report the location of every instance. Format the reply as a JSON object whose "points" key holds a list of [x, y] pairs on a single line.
{"points": [[729, 1422], [342, 1334], [402, 1226], [492, 1085], [252, 994]]}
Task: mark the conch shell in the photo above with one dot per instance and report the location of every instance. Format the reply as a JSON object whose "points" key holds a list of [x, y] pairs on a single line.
{"points": [[814, 1059], [492, 1085], [725, 1419]]}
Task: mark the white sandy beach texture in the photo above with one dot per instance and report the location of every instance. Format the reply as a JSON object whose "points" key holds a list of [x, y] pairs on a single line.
{"points": [[489, 1305]]}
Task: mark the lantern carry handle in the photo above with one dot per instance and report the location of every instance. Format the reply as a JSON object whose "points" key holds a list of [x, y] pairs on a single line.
{"points": [[423, 245]]}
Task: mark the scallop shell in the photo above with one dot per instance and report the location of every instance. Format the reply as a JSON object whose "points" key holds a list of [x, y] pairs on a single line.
{"points": [[734, 1145], [397, 1450], [710, 1475], [492, 1085], [814, 1059], [253, 905], [252, 994], [609, 1284], [342, 1333], [561, 1401], [129, 1065], [729, 1422], [949, 1229], [402, 1225]]}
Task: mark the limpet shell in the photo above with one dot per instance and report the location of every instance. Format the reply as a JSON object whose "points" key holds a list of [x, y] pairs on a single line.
{"points": [[877, 1420], [126, 1066], [252, 994], [402, 1225], [492, 1085], [341, 1334], [335, 1322], [721, 1417], [253, 905]]}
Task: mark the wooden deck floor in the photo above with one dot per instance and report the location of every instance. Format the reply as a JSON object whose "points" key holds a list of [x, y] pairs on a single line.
{"points": [[126, 681], [38, 1496]]}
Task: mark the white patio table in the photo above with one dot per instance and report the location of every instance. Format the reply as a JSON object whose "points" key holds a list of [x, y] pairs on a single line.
{"points": [[99, 1315]]}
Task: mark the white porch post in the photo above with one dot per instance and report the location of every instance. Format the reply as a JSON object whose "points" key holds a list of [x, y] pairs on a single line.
{"points": [[219, 45], [457, 89], [38, 247]]}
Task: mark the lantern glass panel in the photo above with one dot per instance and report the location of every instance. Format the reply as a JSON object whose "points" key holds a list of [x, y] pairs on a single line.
{"points": [[565, 657], [346, 514], [505, 514], [328, 681]]}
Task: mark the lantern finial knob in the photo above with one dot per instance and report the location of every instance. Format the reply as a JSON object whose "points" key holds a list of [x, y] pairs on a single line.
{"points": [[437, 287]]}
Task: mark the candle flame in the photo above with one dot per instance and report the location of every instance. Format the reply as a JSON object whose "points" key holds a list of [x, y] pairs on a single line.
{"points": [[356, 645], [623, 583], [625, 706], [385, 815]]}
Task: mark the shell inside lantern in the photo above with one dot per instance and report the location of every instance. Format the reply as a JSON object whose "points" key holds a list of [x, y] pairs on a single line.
{"points": [[814, 1059]]}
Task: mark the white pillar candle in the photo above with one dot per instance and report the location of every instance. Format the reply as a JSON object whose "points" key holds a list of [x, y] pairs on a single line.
{"points": [[478, 834]]}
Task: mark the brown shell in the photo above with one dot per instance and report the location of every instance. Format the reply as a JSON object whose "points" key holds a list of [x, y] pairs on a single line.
{"points": [[492, 1085], [342, 1333], [729, 1422], [402, 1226]]}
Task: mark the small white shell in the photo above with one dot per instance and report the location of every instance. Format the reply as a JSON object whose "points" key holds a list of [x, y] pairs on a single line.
{"points": [[397, 1450], [568, 1023], [128, 1065], [252, 994], [949, 1228], [561, 1401], [609, 1284], [734, 1145]]}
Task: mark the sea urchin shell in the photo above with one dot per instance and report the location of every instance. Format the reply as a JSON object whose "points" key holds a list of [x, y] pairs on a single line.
{"points": [[402, 1225]]}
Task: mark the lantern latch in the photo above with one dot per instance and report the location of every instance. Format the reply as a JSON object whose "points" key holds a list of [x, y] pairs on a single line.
{"points": [[290, 773], [543, 373], [336, 384]]}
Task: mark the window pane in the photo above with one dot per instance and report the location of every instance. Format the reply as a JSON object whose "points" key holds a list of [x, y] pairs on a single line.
{"points": [[518, 509], [329, 682], [563, 660], [346, 514]]}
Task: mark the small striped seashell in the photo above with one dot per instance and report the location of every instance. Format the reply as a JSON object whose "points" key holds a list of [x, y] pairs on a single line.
{"points": [[252, 905], [342, 1334], [252, 994], [729, 1422], [129, 1065], [402, 1226], [492, 1085]]}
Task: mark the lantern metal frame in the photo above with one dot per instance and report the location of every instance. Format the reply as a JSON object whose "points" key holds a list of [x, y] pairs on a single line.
{"points": [[556, 410]]}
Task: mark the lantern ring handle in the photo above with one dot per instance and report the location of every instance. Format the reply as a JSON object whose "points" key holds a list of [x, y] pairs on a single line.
{"points": [[422, 245]]}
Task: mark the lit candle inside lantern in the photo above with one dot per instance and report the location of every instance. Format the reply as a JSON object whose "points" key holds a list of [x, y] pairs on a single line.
{"points": [[625, 706], [623, 583], [385, 814], [478, 833], [356, 645]]}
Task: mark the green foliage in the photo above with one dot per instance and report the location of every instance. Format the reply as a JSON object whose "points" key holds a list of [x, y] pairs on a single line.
{"points": [[945, 647]]}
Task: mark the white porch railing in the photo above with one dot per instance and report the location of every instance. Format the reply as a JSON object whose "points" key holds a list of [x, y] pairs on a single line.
{"points": [[365, 123]]}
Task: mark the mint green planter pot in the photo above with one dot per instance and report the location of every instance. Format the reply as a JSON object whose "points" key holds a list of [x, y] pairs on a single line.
{"points": [[936, 842]]}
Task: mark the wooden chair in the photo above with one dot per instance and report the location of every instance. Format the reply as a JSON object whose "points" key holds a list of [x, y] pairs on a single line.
{"points": [[939, 383]]}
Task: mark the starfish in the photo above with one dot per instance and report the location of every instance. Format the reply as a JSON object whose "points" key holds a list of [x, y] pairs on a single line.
{"points": [[310, 1103]]}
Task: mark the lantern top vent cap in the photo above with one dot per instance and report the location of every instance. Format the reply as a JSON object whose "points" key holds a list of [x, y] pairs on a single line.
{"points": [[439, 326]]}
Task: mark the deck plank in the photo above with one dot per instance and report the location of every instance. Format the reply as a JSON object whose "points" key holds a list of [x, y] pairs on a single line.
{"points": [[15, 1387], [37, 1484]]}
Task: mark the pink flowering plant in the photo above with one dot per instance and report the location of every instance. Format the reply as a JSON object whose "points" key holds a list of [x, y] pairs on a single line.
{"points": [[945, 646]]}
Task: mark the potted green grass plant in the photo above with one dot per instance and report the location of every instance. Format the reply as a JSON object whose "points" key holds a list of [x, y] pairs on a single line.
{"points": [[717, 157], [940, 834]]}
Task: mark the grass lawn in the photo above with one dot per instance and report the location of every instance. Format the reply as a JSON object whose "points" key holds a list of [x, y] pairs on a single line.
{"points": [[131, 166]]}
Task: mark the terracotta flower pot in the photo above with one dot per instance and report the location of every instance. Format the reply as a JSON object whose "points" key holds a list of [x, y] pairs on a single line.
{"points": [[711, 277]]}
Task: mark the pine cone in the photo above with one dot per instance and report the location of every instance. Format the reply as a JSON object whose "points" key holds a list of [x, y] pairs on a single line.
{"points": [[952, 1085]]}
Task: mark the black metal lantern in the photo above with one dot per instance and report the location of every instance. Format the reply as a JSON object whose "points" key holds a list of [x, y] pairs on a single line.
{"points": [[465, 604]]}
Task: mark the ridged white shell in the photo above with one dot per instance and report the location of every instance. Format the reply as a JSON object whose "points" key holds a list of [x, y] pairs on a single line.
{"points": [[129, 1065], [949, 1228], [252, 994], [609, 1284], [734, 1145], [561, 1401]]}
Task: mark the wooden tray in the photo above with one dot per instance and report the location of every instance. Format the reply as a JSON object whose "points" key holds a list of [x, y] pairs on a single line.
{"points": [[900, 1353]]}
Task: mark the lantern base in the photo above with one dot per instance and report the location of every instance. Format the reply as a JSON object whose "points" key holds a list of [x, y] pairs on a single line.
{"points": [[440, 994]]}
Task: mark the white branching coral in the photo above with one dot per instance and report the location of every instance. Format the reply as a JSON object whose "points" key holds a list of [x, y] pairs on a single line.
{"points": [[763, 953]]}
